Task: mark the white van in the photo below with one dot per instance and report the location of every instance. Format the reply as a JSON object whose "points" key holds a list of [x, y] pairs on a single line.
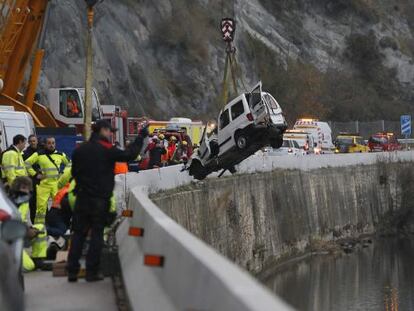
{"points": [[321, 132], [16, 122], [248, 123]]}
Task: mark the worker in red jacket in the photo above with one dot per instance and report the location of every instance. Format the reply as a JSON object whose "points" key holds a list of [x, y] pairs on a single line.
{"points": [[171, 149]]}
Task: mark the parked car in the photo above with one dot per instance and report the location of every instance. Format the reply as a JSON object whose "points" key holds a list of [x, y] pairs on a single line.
{"points": [[12, 233], [384, 142], [321, 133], [245, 125], [289, 147], [350, 143]]}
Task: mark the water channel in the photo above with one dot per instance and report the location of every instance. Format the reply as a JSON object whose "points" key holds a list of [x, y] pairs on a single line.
{"points": [[379, 276]]}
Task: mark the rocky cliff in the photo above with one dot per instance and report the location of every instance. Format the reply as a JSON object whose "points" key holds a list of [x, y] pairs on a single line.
{"points": [[337, 59]]}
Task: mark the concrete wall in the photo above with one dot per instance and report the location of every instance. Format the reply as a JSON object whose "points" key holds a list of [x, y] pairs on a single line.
{"points": [[258, 219]]}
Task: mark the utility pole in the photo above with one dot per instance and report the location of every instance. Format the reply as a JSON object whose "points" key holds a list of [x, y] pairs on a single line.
{"points": [[89, 71]]}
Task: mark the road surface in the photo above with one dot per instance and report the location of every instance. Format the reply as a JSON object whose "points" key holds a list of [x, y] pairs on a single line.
{"points": [[47, 293]]}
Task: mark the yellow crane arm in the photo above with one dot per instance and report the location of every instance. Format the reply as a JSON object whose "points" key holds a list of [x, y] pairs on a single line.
{"points": [[21, 23]]}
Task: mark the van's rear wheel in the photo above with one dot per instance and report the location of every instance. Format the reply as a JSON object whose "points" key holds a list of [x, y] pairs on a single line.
{"points": [[241, 141]]}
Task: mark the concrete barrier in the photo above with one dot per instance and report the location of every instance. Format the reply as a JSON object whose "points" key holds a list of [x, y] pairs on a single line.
{"points": [[171, 177], [195, 276]]}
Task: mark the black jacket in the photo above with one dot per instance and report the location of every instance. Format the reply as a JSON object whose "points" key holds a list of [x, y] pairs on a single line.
{"points": [[93, 165], [155, 156], [27, 154]]}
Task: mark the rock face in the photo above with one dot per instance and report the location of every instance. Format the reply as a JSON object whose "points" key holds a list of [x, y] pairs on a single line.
{"points": [[165, 58], [257, 220]]}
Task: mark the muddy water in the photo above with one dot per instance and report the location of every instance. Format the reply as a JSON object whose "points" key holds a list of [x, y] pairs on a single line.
{"points": [[378, 277]]}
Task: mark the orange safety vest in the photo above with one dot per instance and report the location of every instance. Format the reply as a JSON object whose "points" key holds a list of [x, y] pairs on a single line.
{"points": [[73, 106], [171, 150], [60, 195], [120, 168]]}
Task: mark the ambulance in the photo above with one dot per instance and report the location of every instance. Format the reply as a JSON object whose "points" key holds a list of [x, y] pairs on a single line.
{"points": [[321, 133]]}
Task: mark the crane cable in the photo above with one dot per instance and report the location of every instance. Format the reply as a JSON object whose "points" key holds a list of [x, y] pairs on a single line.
{"points": [[228, 28]]}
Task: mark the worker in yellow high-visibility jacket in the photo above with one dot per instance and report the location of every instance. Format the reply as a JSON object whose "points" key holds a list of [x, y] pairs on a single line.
{"points": [[20, 195], [12, 163], [50, 162]]}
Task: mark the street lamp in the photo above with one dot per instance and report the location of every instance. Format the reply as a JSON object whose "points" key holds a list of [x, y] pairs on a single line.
{"points": [[89, 71]]}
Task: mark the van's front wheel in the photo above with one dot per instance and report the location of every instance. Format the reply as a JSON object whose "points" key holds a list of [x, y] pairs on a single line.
{"points": [[197, 170]]}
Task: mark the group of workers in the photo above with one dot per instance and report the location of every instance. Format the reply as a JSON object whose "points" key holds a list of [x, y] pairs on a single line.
{"points": [[33, 170], [164, 152], [81, 192]]}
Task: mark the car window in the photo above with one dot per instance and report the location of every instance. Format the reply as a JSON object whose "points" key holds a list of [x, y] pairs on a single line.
{"points": [[224, 119], [360, 141], [286, 144], [295, 144], [70, 104], [237, 110], [344, 140], [271, 102], [255, 97]]}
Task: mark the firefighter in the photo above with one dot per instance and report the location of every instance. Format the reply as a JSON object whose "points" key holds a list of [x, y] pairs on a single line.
{"points": [[50, 162], [172, 146], [12, 160], [164, 144], [20, 195], [93, 172]]}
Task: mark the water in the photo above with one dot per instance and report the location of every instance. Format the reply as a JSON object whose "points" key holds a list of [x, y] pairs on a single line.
{"points": [[380, 277]]}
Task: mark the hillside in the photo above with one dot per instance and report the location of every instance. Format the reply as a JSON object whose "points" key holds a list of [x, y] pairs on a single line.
{"points": [[334, 59]]}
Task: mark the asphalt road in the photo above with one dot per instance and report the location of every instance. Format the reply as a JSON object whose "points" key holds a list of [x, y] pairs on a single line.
{"points": [[47, 293]]}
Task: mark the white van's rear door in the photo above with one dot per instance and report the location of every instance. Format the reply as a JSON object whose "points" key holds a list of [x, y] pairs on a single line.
{"points": [[256, 104]]}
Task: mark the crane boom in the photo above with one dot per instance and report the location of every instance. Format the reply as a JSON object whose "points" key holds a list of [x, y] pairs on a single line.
{"points": [[21, 22]]}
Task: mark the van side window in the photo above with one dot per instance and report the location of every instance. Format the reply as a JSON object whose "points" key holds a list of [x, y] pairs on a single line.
{"points": [[70, 104], [224, 119], [237, 110]]}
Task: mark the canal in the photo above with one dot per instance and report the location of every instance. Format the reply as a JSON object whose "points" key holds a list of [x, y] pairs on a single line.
{"points": [[379, 276]]}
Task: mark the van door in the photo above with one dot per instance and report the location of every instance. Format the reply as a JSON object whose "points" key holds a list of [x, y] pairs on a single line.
{"points": [[204, 151], [256, 105], [225, 134]]}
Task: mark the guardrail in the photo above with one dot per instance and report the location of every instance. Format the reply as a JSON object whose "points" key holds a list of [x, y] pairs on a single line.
{"points": [[409, 141], [167, 268]]}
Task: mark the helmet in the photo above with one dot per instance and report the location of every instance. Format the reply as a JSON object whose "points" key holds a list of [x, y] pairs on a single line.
{"points": [[161, 136], [173, 138], [184, 143]]}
